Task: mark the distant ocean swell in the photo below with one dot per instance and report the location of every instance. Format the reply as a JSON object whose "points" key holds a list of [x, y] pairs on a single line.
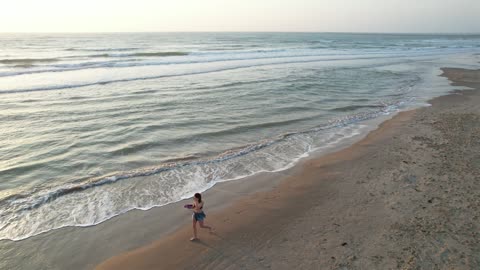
{"points": [[150, 74], [139, 59], [113, 60], [95, 200]]}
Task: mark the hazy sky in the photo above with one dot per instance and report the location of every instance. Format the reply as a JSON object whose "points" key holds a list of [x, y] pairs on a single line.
{"points": [[240, 15]]}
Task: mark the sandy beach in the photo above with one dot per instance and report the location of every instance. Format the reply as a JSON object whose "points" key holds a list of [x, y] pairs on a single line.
{"points": [[405, 197]]}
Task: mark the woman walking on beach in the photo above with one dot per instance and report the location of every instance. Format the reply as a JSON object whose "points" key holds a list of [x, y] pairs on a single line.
{"points": [[198, 215]]}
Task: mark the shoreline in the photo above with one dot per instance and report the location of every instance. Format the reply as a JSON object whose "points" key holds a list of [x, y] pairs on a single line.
{"points": [[86, 247], [320, 185]]}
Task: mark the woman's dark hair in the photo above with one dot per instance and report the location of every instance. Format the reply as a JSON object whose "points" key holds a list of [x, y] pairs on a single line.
{"points": [[199, 197]]}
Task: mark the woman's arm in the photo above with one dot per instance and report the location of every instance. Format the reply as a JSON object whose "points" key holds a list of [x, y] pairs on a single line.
{"points": [[197, 206]]}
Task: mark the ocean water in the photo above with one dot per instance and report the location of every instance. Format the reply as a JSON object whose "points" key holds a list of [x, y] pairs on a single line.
{"points": [[94, 125]]}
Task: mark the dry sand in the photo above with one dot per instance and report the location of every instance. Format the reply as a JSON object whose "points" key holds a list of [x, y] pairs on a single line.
{"points": [[405, 197]]}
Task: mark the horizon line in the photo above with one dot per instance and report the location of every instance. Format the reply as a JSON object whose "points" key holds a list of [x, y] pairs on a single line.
{"points": [[297, 32]]}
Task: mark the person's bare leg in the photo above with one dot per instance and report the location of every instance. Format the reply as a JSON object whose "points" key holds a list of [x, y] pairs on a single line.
{"points": [[205, 226], [194, 224]]}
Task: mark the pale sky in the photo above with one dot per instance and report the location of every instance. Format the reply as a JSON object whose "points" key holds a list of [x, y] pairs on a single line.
{"points": [[452, 16]]}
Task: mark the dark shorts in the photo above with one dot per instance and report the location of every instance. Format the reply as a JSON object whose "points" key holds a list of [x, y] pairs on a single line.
{"points": [[199, 216]]}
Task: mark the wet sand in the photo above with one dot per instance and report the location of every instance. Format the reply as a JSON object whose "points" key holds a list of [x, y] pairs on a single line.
{"points": [[405, 197]]}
